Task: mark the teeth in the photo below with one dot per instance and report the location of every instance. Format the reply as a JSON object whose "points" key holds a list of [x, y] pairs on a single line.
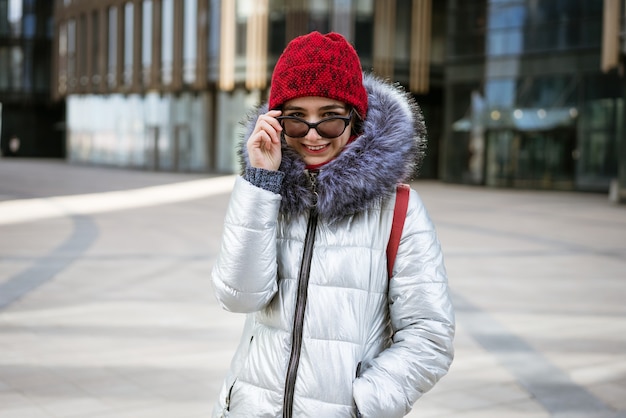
{"points": [[317, 148]]}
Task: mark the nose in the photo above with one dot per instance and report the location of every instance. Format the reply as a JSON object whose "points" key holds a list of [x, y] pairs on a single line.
{"points": [[313, 134]]}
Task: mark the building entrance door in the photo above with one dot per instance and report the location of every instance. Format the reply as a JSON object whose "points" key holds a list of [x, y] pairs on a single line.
{"points": [[538, 159]]}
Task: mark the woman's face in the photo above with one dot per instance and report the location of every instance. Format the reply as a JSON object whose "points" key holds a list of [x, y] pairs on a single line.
{"points": [[314, 148]]}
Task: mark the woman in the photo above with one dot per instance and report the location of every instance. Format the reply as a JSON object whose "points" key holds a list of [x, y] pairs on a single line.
{"points": [[328, 333]]}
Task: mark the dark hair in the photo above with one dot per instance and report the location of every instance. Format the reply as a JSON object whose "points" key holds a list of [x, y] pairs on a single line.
{"points": [[357, 122]]}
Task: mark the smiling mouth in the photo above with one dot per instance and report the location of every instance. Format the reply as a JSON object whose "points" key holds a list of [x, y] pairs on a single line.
{"points": [[316, 147]]}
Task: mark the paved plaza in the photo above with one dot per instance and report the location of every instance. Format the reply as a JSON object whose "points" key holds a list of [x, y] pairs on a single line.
{"points": [[107, 310]]}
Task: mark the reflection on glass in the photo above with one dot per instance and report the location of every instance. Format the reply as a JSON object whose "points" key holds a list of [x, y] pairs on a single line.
{"points": [[4, 68], [190, 40], [112, 51], [500, 92], [167, 41], [17, 75], [71, 53], [146, 41], [62, 45], [15, 17], [95, 49], [128, 42]]}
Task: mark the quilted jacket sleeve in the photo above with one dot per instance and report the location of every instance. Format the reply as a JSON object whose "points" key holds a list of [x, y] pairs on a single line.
{"points": [[423, 322], [244, 275]]}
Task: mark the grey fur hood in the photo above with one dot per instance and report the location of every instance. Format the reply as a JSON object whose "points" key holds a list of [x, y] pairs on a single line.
{"points": [[389, 151]]}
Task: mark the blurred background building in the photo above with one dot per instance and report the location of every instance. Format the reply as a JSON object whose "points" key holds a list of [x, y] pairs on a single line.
{"points": [[31, 123], [535, 93], [516, 93], [164, 84]]}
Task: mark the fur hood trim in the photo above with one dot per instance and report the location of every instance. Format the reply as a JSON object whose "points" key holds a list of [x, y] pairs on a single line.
{"points": [[388, 152]]}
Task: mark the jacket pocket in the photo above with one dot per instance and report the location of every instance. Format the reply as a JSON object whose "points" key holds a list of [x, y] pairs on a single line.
{"points": [[357, 375], [226, 410], [229, 395]]}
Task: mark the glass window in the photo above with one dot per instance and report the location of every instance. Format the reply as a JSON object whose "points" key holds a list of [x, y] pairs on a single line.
{"points": [[319, 14], [505, 42], [598, 153], [511, 15], [243, 10], [276, 28], [62, 45], [599, 130], [27, 67], [4, 20], [146, 40], [112, 50], [81, 53], [364, 30], [30, 25], [95, 48], [128, 42], [71, 53], [41, 70], [342, 18], [15, 17], [190, 40], [29, 20], [548, 91], [16, 70], [403, 31], [4, 68], [167, 41], [563, 25], [467, 29], [213, 44], [500, 92], [49, 30]]}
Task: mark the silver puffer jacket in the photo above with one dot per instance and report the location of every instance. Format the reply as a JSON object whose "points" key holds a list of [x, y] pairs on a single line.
{"points": [[327, 332]]}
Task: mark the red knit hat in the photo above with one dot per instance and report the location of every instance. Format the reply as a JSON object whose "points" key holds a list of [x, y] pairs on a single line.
{"points": [[319, 65]]}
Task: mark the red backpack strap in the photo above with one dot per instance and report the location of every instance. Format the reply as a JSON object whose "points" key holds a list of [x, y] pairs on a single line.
{"points": [[399, 215]]}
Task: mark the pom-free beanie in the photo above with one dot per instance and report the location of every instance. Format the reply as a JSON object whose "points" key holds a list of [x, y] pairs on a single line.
{"points": [[319, 65]]}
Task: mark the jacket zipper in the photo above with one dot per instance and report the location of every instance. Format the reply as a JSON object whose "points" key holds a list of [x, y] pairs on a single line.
{"points": [[301, 299]]}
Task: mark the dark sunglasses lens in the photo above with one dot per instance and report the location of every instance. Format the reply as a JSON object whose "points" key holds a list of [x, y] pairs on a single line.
{"points": [[331, 128], [295, 128]]}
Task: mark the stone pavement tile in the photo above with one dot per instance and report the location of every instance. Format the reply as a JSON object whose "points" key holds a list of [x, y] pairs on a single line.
{"points": [[73, 406], [610, 369], [29, 411], [25, 241], [476, 381], [13, 266], [19, 378], [517, 409], [161, 409], [129, 322], [12, 399], [25, 177], [612, 392]]}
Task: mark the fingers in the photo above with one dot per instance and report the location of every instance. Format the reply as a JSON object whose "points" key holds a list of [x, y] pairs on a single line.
{"points": [[264, 143], [268, 124]]}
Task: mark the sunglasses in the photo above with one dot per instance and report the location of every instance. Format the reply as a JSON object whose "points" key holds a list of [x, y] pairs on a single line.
{"points": [[328, 128]]}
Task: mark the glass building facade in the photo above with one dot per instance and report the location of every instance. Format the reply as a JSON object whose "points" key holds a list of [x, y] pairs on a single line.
{"points": [[31, 123], [164, 84], [527, 102], [515, 93]]}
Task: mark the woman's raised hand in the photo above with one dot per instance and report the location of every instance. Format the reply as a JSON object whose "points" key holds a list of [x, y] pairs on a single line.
{"points": [[264, 143]]}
